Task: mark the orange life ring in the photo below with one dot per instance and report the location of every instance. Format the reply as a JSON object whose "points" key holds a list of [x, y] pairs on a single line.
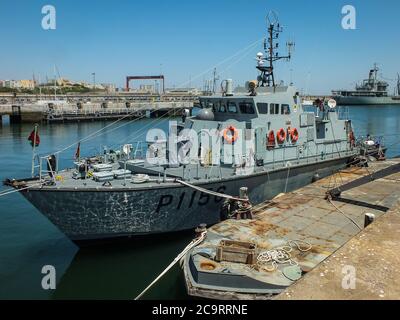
{"points": [[281, 136], [271, 140], [234, 134], [294, 135]]}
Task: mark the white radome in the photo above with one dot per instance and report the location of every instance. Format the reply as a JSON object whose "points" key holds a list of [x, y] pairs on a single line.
{"points": [[332, 103]]}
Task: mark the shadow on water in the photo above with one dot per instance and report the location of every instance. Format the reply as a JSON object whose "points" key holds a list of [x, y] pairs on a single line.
{"points": [[123, 268]]}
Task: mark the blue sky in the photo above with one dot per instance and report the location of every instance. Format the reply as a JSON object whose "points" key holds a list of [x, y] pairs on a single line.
{"points": [[186, 38]]}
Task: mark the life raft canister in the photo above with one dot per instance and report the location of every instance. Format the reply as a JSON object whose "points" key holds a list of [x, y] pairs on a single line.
{"points": [[234, 134], [294, 135], [271, 140], [281, 136]]}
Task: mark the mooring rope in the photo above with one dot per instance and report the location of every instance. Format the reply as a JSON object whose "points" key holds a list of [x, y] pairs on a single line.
{"points": [[142, 129], [92, 135], [191, 245], [340, 211], [18, 190], [210, 192], [221, 62]]}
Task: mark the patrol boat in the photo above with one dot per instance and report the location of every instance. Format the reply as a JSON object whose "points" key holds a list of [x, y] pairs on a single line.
{"points": [[259, 136]]}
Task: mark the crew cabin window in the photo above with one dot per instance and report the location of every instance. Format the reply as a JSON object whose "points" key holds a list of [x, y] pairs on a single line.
{"points": [[274, 108], [262, 108], [285, 109], [208, 105], [222, 108], [246, 108], [232, 108]]}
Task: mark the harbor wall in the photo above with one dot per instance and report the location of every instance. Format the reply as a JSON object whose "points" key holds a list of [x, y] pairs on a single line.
{"points": [[37, 113]]}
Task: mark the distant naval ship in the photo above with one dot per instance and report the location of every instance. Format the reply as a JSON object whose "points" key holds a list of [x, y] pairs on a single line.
{"points": [[371, 91], [259, 136]]}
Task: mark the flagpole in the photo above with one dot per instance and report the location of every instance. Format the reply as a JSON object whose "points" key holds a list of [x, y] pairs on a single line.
{"points": [[33, 150]]}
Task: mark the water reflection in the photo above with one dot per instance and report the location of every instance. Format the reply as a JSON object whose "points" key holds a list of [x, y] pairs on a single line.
{"points": [[122, 270]]}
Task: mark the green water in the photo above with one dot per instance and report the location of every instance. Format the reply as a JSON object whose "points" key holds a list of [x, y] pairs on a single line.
{"points": [[113, 271]]}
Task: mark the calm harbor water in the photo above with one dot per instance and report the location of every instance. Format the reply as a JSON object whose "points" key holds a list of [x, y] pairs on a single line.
{"points": [[113, 271]]}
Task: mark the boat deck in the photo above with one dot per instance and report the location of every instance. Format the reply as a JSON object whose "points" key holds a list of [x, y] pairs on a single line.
{"points": [[302, 215], [194, 173]]}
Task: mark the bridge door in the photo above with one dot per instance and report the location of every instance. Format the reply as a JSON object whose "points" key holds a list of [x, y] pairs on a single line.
{"points": [[261, 143]]}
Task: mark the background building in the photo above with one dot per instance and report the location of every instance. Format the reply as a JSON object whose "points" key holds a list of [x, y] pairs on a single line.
{"points": [[26, 84]]}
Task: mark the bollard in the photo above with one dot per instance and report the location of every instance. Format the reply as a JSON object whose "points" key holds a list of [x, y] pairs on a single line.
{"points": [[244, 193], [368, 219], [315, 177], [200, 229]]}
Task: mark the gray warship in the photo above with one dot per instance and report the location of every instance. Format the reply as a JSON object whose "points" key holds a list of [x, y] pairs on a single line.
{"points": [[371, 91], [258, 136]]}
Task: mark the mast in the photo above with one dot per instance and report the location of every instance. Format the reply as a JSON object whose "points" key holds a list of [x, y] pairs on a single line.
{"points": [[33, 150], [215, 78], [267, 77], [398, 84], [55, 84], [40, 89]]}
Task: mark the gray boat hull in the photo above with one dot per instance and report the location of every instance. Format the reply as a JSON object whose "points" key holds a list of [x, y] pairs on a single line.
{"points": [[83, 214], [349, 101]]}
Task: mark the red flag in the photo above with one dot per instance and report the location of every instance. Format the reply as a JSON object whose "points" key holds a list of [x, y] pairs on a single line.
{"points": [[34, 138], [78, 151]]}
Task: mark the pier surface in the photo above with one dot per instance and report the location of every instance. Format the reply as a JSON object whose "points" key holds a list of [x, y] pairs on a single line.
{"points": [[374, 255], [336, 241]]}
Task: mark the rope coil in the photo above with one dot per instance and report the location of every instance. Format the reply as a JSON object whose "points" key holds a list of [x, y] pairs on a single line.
{"points": [[270, 259]]}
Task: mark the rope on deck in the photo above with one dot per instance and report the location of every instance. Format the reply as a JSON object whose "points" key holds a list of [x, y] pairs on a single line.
{"points": [[281, 255], [340, 211], [191, 245], [210, 192]]}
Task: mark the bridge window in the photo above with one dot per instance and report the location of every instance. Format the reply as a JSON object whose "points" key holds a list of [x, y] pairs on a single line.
{"points": [[246, 108], [262, 108], [222, 108], [232, 108], [203, 104], [285, 109], [274, 108]]}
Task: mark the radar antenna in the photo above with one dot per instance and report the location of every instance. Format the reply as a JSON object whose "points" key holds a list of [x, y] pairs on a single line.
{"points": [[271, 45]]}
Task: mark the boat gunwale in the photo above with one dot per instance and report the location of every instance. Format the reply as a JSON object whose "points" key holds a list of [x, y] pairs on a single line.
{"points": [[175, 185]]}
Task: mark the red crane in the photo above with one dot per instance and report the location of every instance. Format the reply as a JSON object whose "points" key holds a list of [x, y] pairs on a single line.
{"points": [[161, 77]]}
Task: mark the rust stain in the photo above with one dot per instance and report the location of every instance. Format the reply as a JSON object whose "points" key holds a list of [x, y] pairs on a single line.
{"points": [[260, 227], [283, 206]]}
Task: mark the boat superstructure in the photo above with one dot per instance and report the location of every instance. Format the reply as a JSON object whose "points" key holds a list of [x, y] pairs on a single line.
{"points": [[259, 136], [371, 91]]}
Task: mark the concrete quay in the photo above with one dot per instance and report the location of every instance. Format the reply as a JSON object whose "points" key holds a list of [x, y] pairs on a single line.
{"points": [[373, 256], [346, 261]]}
